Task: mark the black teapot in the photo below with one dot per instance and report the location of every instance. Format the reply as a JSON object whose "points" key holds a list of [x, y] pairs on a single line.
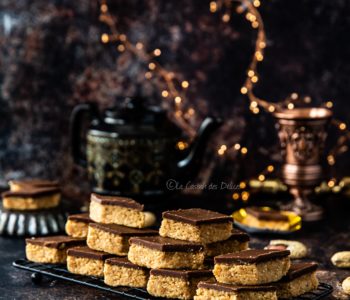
{"points": [[135, 150]]}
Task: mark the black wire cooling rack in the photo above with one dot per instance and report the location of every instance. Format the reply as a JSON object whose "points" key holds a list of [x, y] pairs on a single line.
{"points": [[60, 272]]}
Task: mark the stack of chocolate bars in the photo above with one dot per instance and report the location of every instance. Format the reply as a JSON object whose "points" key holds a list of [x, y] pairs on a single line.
{"points": [[31, 194], [176, 262]]}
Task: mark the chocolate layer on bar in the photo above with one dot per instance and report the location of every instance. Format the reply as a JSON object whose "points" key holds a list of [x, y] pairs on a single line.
{"points": [[239, 236], [268, 215], [165, 244], [183, 274], [250, 256], [86, 252], [299, 269], [117, 201], [35, 182], [223, 287], [58, 242], [84, 218], [123, 230], [32, 192], [196, 216], [123, 262]]}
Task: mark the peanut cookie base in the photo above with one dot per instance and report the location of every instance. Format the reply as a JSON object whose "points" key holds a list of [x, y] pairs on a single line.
{"points": [[207, 294], [155, 259], [122, 276], [298, 286], [252, 274], [20, 203], [228, 246], [270, 224], [110, 214], [42, 254], [85, 266], [108, 242], [205, 234], [77, 229], [172, 287]]}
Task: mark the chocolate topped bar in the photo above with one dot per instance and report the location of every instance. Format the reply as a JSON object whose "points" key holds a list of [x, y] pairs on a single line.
{"points": [[299, 269], [223, 287], [184, 274], [57, 242], [32, 192], [84, 218], [117, 201], [250, 256], [268, 215], [123, 230], [240, 236], [35, 182], [196, 216], [86, 252], [166, 244], [123, 262]]}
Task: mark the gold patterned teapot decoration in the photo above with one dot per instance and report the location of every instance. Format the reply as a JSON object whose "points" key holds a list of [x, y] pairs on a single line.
{"points": [[133, 150]]}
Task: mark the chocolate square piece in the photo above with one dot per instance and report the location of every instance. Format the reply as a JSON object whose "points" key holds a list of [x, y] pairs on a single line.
{"points": [[301, 278], [251, 256], [196, 225], [179, 284], [57, 242], [119, 271], [113, 238], [84, 218], [117, 201], [251, 267], [51, 249], [156, 252], [196, 216]]}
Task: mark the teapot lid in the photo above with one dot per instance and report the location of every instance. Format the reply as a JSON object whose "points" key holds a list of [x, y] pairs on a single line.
{"points": [[134, 117]]}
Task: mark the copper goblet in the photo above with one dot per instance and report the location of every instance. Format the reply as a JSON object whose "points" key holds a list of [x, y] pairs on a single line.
{"points": [[302, 133]]}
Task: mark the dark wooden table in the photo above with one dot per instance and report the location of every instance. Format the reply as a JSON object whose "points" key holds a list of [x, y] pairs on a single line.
{"points": [[323, 239]]}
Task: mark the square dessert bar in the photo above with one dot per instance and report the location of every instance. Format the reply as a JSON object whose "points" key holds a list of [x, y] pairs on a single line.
{"points": [[77, 225], [222, 291], [32, 198], [196, 225], [51, 249], [119, 210], [23, 184], [178, 284], [301, 278], [271, 219], [238, 241], [118, 271], [251, 267], [157, 252], [85, 261], [114, 238]]}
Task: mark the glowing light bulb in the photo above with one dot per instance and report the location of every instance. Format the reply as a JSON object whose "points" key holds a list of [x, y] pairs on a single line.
{"points": [[165, 93], [342, 126], [121, 48], [244, 150], [213, 6], [255, 79], [244, 90], [148, 75], [151, 66], [178, 99], [157, 52], [237, 146], [139, 45], [105, 38], [235, 196], [185, 84], [271, 108], [290, 106], [261, 177], [226, 18], [104, 8], [329, 104]]}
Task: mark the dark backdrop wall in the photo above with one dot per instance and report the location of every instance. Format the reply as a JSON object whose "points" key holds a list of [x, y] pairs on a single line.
{"points": [[51, 58]]}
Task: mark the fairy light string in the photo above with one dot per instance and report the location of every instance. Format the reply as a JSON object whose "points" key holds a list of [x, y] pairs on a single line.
{"points": [[176, 89]]}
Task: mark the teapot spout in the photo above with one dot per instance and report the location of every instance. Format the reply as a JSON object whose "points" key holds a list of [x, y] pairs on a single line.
{"points": [[189, 167]]}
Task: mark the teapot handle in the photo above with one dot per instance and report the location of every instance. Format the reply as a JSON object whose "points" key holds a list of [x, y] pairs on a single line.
{"points": [[78, 114]]}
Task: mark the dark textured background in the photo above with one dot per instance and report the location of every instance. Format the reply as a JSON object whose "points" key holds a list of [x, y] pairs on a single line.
{"points": [[51, 58]]}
